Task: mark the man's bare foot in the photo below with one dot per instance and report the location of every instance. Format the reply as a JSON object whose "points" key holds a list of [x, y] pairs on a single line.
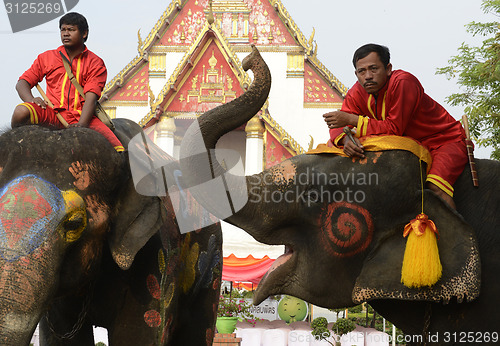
{"points": [[447, 198]]}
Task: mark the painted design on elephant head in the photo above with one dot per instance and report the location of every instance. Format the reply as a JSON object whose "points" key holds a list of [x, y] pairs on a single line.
{"points": [[283, 174], [81, 173], [163, 293], [187, 262], [373, 158], [76, 217], [208, 263], [347, 229], [152, 318], [29, 206], [98, 211]]}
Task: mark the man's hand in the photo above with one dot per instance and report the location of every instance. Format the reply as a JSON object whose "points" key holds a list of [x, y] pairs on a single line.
{"points": [[353, 149], [338, 119], [77, 125], [39, 102]]}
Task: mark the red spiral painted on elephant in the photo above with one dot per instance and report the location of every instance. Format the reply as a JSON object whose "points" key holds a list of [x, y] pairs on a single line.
{"points": [[347, 229]]}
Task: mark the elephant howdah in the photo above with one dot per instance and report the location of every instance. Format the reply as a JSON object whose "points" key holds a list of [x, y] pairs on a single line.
{"points": [[80, 247], [342, 222]]}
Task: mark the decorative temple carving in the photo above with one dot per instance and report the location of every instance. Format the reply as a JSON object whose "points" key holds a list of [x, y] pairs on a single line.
{"points": [[213, 86]]}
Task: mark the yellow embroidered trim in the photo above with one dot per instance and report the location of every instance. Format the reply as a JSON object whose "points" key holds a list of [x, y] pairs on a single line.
{"points": [[77, 94], [33, 113], [369, 104], [338, 138], [381, 143], [61, 105], [362, 127], [383, 106], [441, 183]]}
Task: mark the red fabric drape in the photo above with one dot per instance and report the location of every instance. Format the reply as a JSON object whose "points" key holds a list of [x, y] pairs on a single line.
{"points": [[247, 269]]}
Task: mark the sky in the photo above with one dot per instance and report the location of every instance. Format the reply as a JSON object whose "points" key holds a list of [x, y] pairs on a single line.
{"points": [[422, 36]]}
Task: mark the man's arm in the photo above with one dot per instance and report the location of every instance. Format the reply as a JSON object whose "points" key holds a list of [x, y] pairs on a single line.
{"points": [[88, 110], [339, 119], [23, 89]]}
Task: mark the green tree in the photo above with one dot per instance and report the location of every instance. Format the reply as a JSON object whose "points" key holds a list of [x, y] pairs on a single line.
{"points": [[477, 70]]}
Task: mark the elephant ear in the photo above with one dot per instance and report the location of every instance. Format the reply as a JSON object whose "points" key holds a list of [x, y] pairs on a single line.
{"points": [[137, 219], [380, 277]]}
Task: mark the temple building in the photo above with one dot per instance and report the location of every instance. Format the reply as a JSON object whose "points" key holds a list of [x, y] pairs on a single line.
{"points": [[190, 62]]}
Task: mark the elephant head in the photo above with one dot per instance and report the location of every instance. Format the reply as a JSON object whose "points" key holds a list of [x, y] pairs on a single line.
{"points": [[341, 219], [63, 195]]}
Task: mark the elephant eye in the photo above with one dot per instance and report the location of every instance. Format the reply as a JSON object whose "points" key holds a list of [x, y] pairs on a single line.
{"points": [[313, 196], [73, 227], [73, 224]]}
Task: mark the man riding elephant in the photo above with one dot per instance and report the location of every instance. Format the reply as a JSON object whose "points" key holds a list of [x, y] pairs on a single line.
{"points": [[65, 104], [384, 101]]}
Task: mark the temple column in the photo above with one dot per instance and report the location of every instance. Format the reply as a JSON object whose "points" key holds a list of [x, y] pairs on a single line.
{"points": [[165, 130], [254, 146]]}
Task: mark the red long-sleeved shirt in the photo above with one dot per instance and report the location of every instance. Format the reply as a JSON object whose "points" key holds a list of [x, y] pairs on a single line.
{"points": [[401, 108], [89, 71]]}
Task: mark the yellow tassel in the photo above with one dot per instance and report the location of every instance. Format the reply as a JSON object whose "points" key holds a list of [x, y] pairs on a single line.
{"points": [[421, 264]]}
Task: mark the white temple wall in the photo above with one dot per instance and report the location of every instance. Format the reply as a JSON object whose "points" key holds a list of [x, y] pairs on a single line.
{"points": [[172, 61], [156, 85], [133, 113]]}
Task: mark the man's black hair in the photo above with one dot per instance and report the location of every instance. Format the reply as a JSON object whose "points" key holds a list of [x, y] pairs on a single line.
{"points": [[73, 18], [363, 51]]}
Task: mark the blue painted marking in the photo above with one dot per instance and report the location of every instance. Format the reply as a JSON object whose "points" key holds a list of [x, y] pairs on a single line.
{"points": [[30, 210]]}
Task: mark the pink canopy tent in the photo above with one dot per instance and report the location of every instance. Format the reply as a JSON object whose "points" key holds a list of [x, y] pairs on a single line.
{"points": [[245, 270]]}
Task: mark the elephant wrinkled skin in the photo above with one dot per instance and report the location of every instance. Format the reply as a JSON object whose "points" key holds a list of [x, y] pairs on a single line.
{"points": [[80, 247], [344, 233]]}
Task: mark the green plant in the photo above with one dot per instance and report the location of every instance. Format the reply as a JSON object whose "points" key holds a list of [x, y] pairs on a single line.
{"points": [[320, 329], [343, 326], [356, 309], [234, 307]]}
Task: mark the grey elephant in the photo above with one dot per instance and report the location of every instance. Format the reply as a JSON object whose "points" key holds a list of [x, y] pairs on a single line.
{"points": [[344, 249], [80, 247]]}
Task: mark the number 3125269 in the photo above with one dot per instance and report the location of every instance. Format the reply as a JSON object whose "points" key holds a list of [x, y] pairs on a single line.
{"points": [[33, 7], [471, 337]]}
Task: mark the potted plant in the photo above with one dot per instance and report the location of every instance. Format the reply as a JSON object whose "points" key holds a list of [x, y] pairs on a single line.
{"points": [[229, 311], [341, 327]]}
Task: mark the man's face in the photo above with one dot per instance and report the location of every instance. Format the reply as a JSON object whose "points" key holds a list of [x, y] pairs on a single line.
{"points": [[71, 37], [371, 73]]}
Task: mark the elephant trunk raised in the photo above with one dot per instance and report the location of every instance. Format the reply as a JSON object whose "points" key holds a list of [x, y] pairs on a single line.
{"points": [[259, 215], [201, 138], [37, 223]]}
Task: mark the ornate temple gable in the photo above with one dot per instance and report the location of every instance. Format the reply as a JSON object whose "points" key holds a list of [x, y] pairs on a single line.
{"points": [[279, 145], [275, 152], [135, 88], [144, 48], [186, 26], [210, 82], [319, 93], [208, 75], [252, 21]]}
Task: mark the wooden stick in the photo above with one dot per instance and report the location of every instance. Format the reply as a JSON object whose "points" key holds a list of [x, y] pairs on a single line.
{"points": [[470, 151], [51, 105]]}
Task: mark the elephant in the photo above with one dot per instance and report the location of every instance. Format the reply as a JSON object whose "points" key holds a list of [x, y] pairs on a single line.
{"points": [[80, 247], [343, 235]]}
